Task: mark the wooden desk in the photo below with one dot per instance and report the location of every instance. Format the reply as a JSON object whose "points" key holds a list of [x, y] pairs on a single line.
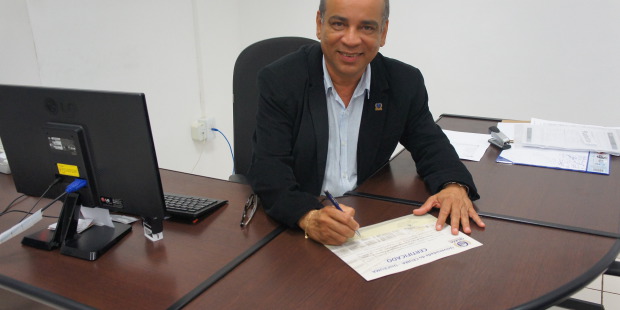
{"points": [[136, 273], [518, 265], [568, 199]]}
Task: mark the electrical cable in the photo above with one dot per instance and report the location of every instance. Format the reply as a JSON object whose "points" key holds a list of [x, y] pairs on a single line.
{"points": [[12, 203], [204, 142], [56, 181], [74, 186], [26, 212], [53, 201], [30, 211], [229, 146]]}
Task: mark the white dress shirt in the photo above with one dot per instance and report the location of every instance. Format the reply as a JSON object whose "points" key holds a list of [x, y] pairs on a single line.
{"points": [[344, 125]]}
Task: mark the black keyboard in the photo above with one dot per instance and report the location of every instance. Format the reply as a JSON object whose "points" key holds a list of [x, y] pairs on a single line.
{"points": [[190, 208]]}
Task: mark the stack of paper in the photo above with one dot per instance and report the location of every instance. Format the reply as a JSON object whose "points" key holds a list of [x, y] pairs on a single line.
{"points": [[557, 154], [568, 136]]}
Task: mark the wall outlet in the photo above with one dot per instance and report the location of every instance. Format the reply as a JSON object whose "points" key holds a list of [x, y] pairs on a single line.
{"points": [[209, 123], [201, 129]]}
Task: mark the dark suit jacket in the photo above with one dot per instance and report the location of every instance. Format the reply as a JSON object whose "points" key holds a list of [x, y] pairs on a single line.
{"points": [[291, 137]]}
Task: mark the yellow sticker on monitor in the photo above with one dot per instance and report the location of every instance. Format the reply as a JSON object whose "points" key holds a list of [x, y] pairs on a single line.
{"points": [[69, 170]]}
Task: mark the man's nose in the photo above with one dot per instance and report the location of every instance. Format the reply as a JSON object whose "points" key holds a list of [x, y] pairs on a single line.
{"points": [[352, 37]]}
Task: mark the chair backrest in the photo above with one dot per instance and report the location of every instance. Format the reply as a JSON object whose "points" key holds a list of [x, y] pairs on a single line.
{"points": [[245, 91]]}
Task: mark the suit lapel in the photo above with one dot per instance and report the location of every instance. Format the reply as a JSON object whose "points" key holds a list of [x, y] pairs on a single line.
{"points": [[374, 116], [318, 108]]}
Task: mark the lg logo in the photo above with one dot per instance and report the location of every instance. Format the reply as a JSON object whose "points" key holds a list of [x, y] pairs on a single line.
{"points": [[58, 107]]}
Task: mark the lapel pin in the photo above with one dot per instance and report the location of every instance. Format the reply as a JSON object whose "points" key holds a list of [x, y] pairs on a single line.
{"points": [[379, 106]]}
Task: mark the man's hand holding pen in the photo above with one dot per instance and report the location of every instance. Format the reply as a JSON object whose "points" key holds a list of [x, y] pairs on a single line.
{"points": [[330, 225]]}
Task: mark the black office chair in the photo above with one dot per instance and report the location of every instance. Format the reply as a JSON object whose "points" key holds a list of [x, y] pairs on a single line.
{"points": [[245, 94]]}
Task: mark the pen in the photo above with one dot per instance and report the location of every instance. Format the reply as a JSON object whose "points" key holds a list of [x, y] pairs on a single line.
{"points": [[337, 205]]}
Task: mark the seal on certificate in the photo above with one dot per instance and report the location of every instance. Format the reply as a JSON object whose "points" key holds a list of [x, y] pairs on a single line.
{"points": [[460, 242]]}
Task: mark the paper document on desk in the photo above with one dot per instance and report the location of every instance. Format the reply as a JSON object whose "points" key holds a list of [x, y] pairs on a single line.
{"points": [[568, 136], [400, 244], [581, 161], [468, 145], [566, 160]]}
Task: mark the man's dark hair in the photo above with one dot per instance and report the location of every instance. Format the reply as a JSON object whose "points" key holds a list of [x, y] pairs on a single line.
{"points": [[386, 10]]}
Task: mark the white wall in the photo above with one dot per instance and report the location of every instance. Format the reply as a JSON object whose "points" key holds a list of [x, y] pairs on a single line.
{"points": [[125, 46], [18, 59], [219, 28], [553, 59]]}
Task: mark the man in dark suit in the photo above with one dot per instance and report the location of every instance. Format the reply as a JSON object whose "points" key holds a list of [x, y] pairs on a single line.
{"points": [[330, 115]]}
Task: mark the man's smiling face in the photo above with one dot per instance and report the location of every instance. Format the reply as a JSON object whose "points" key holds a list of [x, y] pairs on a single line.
{"points": [[351, 33]]}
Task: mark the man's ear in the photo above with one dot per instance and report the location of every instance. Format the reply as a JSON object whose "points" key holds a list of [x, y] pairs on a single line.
{"points": [[384, 32], [319, 25]]}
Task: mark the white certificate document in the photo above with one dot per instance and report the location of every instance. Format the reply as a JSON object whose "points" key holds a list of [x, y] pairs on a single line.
{"points": [[400, 244]]}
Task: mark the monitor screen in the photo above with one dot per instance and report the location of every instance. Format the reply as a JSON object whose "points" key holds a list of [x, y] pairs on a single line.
{"points": [[101, 136]]}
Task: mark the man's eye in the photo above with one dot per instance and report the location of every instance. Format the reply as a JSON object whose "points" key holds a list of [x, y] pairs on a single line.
{"points": [[338, 25], [369, 29]]}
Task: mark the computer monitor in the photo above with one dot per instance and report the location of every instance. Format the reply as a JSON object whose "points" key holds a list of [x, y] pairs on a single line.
{"points": [[103, 137]]}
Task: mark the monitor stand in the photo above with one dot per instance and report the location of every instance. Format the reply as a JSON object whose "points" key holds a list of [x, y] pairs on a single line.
{"points": [[88, 245]]}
